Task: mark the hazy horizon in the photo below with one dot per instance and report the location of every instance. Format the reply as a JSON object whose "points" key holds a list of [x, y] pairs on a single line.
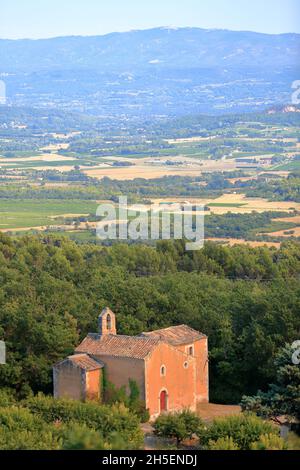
{"points": [[49, 19], [166, 27]]}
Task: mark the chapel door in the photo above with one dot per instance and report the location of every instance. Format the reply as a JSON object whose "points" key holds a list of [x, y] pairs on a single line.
{"points": [[163, 401]]}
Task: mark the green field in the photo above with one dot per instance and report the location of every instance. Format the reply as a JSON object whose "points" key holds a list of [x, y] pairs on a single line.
{"points": [[292, 166], [41, 164], [224, 204], [32, 213], [20, 153]]}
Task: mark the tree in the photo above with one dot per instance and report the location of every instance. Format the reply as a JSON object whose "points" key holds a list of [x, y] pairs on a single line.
{"points": [[77, 437], [242, 429], [283, 397], [51, 290], [179, 426], [108, 421], [22, 430], [43, 423]]}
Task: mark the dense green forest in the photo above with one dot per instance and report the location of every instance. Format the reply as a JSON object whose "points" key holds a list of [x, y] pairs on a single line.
{"points": [[280, 190], [140, 189], [51, 291]]}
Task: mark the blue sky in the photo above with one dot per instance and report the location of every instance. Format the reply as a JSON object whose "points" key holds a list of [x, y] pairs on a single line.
{"points": [[49, 18]]}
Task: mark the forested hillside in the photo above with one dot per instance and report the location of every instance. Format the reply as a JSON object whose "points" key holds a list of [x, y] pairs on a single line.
{"points": [[51, 291]]}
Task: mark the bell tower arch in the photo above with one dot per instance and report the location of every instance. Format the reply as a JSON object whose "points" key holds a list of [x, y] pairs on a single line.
{"points": [[107, 322]]}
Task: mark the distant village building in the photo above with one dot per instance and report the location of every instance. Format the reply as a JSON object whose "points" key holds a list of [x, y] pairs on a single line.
{"points": [[170, 366]]}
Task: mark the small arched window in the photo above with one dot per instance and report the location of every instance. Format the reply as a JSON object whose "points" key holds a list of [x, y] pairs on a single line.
{"points": [[108, 322], [163, 371], [186, 365]]}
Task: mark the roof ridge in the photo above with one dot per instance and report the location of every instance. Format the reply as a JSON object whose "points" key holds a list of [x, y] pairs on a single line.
{"points": [[96, 336], [177, 334], [83, 361], [118, 345], [169, 328], [128, 336]]}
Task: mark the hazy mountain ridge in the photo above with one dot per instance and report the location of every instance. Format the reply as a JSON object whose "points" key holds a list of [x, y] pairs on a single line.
{"points": [[168, 47], [153, 72]]}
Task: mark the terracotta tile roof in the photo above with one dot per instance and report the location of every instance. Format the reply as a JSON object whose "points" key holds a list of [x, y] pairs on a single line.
{"points": [[176, 335], [137, 347], [83, 361]]}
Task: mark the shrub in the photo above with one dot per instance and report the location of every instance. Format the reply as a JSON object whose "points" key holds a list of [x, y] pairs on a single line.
{"points": [[134, 395], [269, 442], [139, 409], [77, 437], [179, 426], [21, 430], [223, 443], [170, 426], [113, 395], [244, 429], [107, 420], [293, 441], [7, 398]]}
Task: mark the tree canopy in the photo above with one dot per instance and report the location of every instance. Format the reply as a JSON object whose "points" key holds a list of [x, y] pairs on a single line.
{"points": [[51, 291]]}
